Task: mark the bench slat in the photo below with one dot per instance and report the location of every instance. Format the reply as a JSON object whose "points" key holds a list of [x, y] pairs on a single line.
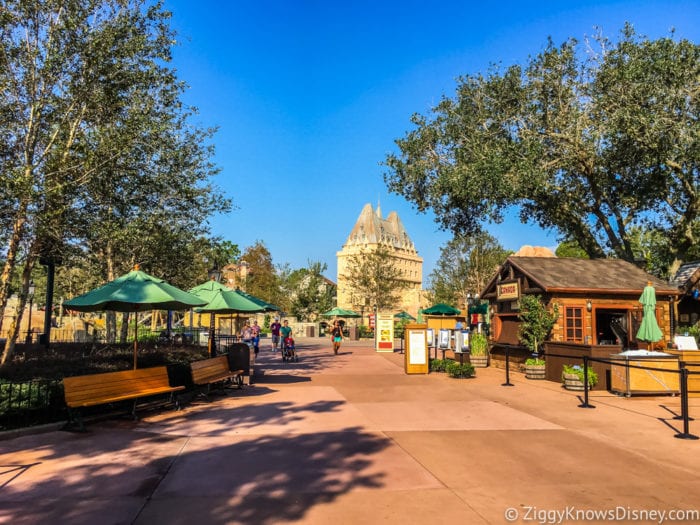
{"points": [[112, 386]]}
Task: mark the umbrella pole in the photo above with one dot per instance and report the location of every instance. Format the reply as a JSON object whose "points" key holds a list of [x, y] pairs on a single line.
{"points": [[136, 337], [212, 328]]}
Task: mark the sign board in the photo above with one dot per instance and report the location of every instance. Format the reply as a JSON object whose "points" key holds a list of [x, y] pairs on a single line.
{"points": [[685, 342], [371, 320], [385, 332], [507, 291], [431, 337], [444, 339], [461, 341], [416, 344]]}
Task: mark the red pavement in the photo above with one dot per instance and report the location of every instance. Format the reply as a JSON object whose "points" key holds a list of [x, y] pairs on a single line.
{"points": [[353, 439]]}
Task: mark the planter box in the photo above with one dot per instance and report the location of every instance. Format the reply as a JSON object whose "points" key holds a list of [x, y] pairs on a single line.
{"points": [[535, 371], [479, 361], [572, 382]]}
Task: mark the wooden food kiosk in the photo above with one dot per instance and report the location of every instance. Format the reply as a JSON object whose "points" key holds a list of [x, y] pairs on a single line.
{"points": [[598, 304]]}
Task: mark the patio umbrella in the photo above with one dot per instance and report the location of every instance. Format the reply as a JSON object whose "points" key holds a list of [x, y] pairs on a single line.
{"points": [[225, 301], [441, 309], [135, 291], [340, 312], [404, 316], [649, 329], [268, 307], [208, 290]]}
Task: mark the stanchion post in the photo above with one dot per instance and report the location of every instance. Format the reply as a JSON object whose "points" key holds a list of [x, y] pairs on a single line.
{"points": [[585, 384], [507, 383], [684, 406]]}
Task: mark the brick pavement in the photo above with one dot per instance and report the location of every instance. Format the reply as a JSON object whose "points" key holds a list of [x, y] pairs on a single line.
{"points": [[352, 439]]}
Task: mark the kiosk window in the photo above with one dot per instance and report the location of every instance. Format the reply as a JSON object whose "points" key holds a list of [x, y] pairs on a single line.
{"points": [[573, 322]]}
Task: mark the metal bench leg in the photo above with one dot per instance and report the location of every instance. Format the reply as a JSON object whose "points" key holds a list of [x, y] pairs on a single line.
{"points": [[74, 418]]}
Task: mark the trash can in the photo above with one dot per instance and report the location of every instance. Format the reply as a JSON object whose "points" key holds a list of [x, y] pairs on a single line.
{"points": [[239, 358], [310, 331], [353, 333]]}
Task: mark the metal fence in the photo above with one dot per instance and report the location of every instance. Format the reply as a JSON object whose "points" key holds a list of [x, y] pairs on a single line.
{"points": [[28, 403]]}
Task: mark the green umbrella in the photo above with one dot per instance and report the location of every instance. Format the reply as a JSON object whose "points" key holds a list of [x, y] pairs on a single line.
{"points": [[404, 316], [208, 290], [229, 302], [222, 300], [340, 312], [268, 307], [649, 329], [135, 291], [441, 309]]}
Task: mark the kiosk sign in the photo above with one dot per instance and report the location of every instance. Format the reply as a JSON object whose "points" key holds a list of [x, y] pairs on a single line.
{"points": [[507, 291], [385, 332]]}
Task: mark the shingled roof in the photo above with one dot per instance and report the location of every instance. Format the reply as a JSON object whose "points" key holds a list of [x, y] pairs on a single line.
{"points": [[557, 274], [687, 275]]}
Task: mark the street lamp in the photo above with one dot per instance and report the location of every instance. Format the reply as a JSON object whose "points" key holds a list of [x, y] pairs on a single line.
{"points": [[214, 275], [30, 294]]}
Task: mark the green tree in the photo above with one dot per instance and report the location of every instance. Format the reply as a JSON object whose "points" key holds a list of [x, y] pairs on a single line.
{"points": [[535, 321], [99, 156], [465, 266], [262, 280], [590, 143], [374, 279], [311, 294], [569, 248]]}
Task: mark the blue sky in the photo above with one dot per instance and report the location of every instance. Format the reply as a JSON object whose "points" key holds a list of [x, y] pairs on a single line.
{"points": [[309, 97]]}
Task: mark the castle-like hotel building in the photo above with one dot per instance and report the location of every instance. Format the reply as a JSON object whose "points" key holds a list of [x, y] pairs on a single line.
{"points": [[369, 233]]}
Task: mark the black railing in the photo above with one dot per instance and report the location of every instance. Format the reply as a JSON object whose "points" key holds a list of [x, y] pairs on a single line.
{"points": [[683, 372], [29, 403]]}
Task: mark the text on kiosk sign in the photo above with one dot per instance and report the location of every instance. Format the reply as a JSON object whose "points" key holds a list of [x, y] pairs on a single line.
{"points": [[508, 291]]}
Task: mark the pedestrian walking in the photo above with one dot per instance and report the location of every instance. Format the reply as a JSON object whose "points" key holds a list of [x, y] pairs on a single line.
{"points": [[275, 333], [255, 329], [336, 336], [247, 334]]}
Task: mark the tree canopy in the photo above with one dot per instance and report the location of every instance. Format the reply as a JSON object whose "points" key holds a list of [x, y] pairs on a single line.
{"points": [[375, 279], [100, 161], [465, 266], [590, 141]]}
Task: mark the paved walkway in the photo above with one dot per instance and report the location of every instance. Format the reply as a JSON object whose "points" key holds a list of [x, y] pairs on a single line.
{"points": [[351, 439]]}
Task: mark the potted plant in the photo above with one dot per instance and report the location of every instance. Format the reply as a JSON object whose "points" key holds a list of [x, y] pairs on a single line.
{"points": [[572, 377], [535, 324], [479, 351], [534, 368]]}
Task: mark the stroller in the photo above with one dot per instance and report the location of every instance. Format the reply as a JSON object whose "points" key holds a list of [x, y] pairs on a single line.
{"points": [[289, 351]]}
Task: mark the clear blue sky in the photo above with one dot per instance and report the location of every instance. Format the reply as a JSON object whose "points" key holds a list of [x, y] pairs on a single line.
{"points": [[309, 97]]}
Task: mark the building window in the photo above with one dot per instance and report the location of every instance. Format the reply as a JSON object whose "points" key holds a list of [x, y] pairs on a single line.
{"points": [[573, 324]]}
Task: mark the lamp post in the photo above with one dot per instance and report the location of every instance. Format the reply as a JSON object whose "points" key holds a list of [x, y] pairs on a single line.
{"points": [[214, 275], [30, 293]]}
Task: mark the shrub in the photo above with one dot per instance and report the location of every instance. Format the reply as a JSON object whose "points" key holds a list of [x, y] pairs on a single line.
{"points": [[578, 371], [438, 365], [456, 370], [534, 361]]}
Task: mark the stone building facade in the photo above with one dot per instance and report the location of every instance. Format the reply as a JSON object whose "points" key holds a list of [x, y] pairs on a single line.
{"points": [[369, 233]]}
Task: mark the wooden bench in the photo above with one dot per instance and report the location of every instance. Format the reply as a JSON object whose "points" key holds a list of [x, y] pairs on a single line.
{"points": [[110, 387], [214, 370]]}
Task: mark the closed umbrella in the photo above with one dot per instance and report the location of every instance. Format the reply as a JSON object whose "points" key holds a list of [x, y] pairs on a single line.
{"points": [[649, 329], [135, 291]]}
